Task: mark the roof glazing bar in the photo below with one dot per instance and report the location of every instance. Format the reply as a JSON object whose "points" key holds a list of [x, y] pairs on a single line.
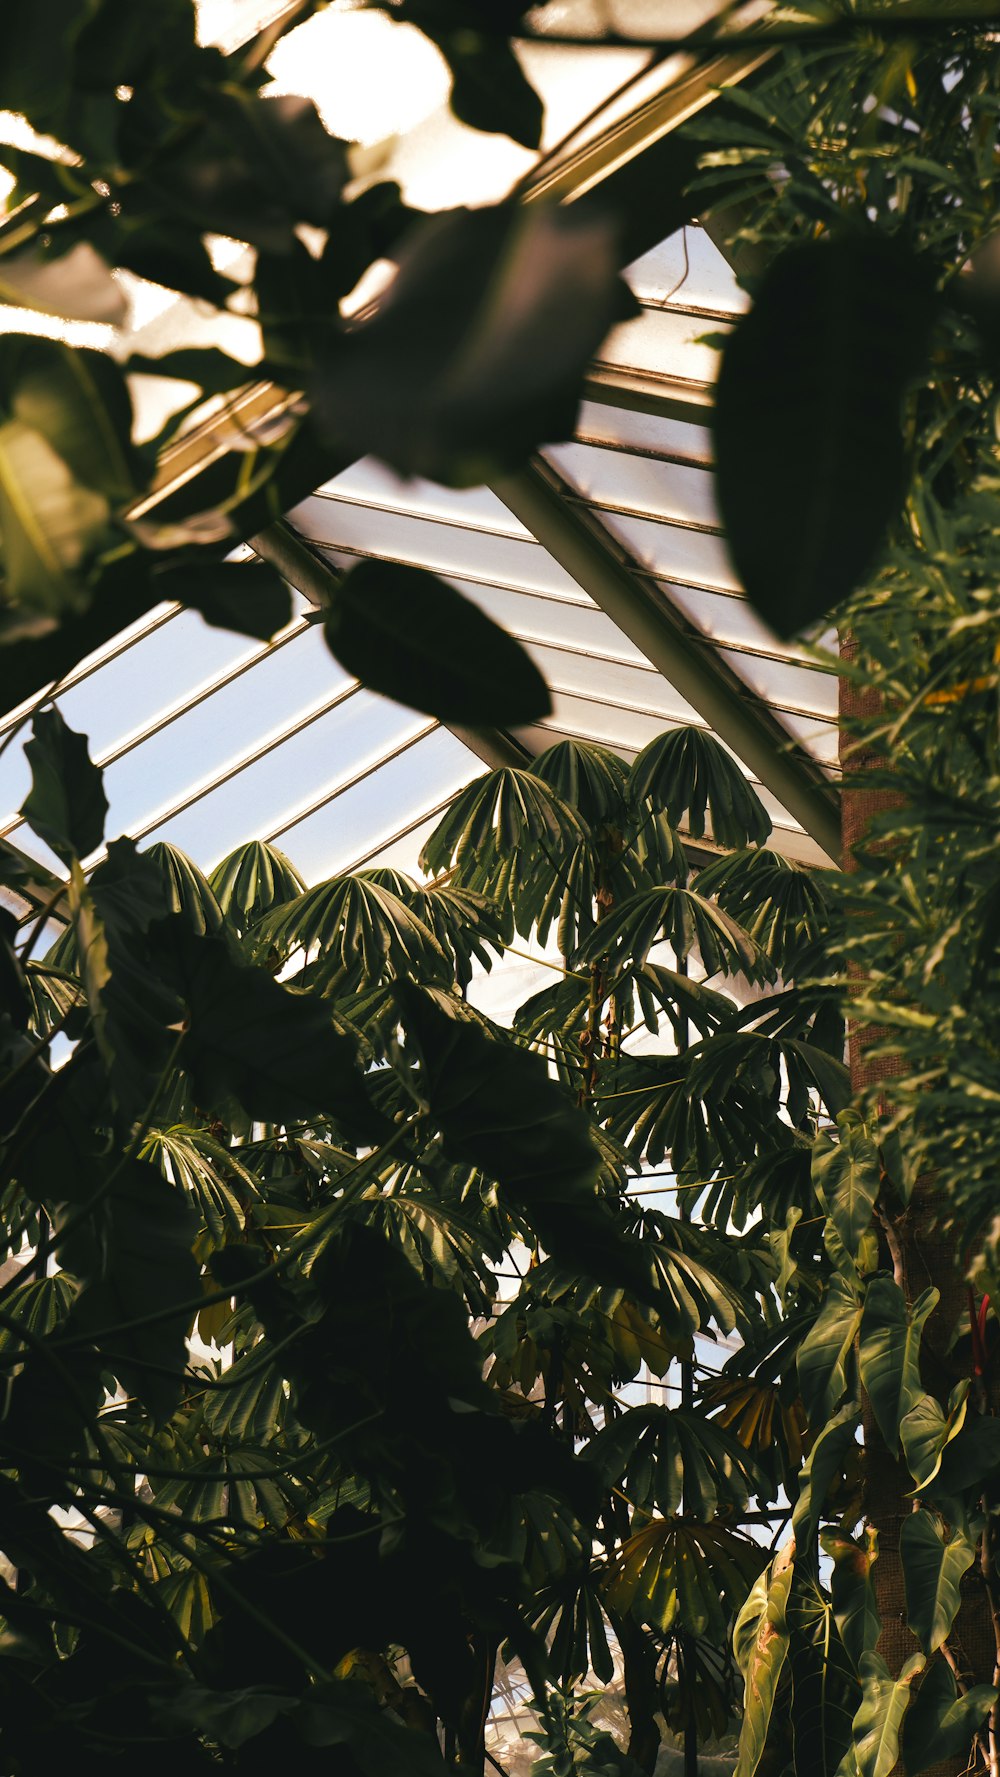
{"points": [[704, 680]]}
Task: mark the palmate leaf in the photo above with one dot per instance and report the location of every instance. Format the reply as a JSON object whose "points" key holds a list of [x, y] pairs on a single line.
{"points": [[669, 1457], [683, 919], [652, 1111], [590, 779], [213, 1175], [251, 881], [251, 1406], [684, 1000], [569, 1613], [187, 891], [678, 1572], [807, 1071], [699, 1273], [688, 773], [362, 932], [781, 904], [503, 816], [469, 928]]}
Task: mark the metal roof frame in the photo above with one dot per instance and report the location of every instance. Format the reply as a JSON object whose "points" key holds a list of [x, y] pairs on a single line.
{"points": [[576, 539]]}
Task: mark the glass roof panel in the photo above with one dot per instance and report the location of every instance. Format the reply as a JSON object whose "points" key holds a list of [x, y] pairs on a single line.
{"points": [[688, 271], [645, 434], [672, 553], [366, 817], [612, 479], [448, 549], [664, 342], [263, 796]]}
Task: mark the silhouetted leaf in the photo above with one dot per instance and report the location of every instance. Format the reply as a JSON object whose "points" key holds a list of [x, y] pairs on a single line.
{"points": [[132, 1257], [250, 597], [807, 419], [476, 355], [411, 636], [66, 804]]}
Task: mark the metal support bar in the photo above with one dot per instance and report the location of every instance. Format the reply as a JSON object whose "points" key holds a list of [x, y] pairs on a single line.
{"points": [[578, 544], [665, 397]]}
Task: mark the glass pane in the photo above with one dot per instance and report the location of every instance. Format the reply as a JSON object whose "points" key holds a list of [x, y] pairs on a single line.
{"points": [[352, 825], [264, 797], [672, 553], [666, 344], [688, 269], [344, 531], [609, 478], [372, 483], [646, 433]]}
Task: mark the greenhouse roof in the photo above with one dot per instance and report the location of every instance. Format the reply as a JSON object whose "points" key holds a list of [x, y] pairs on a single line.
{"points": [[605, 557]]}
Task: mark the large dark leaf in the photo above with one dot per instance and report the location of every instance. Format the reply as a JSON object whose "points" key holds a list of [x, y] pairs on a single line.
{"points": [[66, 804], [272, 1049], [498, 1109], [250, 597], [940, 1724], [478, 351], [411, 636], [808, 441], [257, 166], [132, 1257]]}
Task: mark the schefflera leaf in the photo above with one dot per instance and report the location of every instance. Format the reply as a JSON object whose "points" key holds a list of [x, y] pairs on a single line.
{"points": [[688, 774]]}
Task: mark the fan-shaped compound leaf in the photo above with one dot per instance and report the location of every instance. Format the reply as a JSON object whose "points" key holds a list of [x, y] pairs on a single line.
{"points": [[687, 773]]}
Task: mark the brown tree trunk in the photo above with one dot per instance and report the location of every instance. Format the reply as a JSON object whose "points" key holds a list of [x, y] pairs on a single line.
{"points": [[919, 1254]]}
